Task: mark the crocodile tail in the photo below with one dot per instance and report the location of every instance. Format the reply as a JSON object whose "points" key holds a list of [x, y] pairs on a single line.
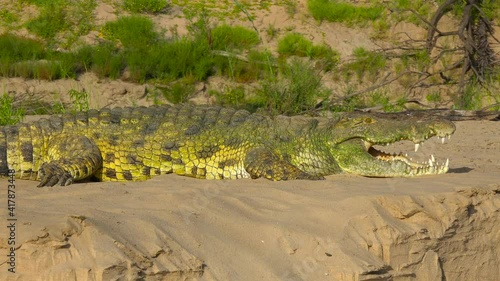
{"points": [[22, 146]]}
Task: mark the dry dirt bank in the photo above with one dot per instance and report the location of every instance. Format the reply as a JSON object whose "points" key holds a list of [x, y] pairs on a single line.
{"points": [[344, 228]]}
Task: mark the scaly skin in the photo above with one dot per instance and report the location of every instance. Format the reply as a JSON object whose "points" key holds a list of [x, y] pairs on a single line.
{"points": [[134, 144]]}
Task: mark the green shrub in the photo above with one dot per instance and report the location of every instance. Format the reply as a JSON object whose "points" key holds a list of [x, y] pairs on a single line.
{"points": [[471, 98], [258, 65], [132, 31], [50, 21], [18, 55], [82, 16], [227, 37], [7, 17], [234, 97], [145, 6], [8, 114], [434, 97], [20, 48], [294, 44], [183, 57], [79, 100], [179, 91], [335, 11], [380, 98], [298, 89], [46, 70], [419, 59], [81, 59], [422, 9], [171, 60], [349, 103], [366, 62], [107, 61]]}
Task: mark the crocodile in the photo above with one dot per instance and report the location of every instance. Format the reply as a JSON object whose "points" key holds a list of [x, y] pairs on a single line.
{"points": [[210, 142]]}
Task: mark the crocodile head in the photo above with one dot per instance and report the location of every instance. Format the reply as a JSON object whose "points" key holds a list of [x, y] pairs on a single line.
{"points": [[356, 134]]}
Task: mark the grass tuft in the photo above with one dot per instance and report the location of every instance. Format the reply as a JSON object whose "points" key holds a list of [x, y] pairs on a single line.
{"points": [[335, 11], [107, 60], [298, 89], [132, 31], [366, 62], [294, 44], [145, 6], [227, 37], [50, 21], [234, 97], [8, 114]]}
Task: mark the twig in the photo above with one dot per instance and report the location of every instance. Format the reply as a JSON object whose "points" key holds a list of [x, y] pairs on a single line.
{"points": [[369, 89], [240, 57], [249, 17]]}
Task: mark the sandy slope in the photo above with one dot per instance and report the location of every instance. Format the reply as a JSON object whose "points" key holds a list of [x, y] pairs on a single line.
{"points": [[343, 228]]}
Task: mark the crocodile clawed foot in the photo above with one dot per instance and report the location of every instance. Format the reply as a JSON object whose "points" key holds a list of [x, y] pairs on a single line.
{"points": [[51, 174]]}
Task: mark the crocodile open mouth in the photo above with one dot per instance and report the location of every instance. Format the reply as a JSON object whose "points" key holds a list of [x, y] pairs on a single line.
{"points": [[430, 166]]}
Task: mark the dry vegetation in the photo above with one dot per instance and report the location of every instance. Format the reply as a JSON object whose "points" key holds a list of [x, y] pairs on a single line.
{"points": [[390, 56]]}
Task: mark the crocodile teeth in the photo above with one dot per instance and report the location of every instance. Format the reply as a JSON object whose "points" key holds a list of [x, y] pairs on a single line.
{"points": [[431, 163], [447, 164], [417, 146], [442, 140], [432, 158]]}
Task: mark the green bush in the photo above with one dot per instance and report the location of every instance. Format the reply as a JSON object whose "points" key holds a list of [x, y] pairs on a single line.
{"points": [[234, 97], [422, 9], [145, 6], [132, 31], [298, 89], [226, 37], [19, 48], [328, 57], [179, 91], [170, 60], [8, 114], [366, 62], [14, 49], [471, 98], [182, 57], [335, 11], [434, 97], [81, 59], [294, 44], [380, 98], [81, 15], [259, 65], [79, 100], [46, 70], [8, 17], [107, 61], [50, 21]]}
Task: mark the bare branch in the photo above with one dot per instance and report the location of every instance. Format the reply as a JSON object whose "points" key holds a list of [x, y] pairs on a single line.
{"points": [[441, 11]]}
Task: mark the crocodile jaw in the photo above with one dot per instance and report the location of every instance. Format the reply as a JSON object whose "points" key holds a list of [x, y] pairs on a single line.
{"points": [[413, 168]]}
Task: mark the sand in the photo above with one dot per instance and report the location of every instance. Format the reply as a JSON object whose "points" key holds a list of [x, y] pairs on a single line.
{"points": [[346, 227]]}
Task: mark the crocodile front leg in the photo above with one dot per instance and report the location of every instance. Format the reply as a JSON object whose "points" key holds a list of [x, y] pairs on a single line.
{"points": [[262, 162], [69, 158]]}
